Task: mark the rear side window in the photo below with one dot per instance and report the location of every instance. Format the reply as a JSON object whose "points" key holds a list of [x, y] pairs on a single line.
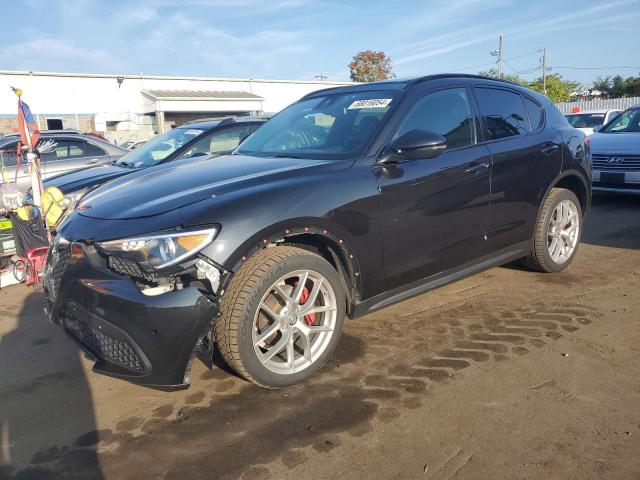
{"points": [[446, 112], [503, 112], [535, 113]]}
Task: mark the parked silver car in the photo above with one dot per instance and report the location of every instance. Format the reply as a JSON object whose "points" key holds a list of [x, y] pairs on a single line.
{"points": [[61, 151], [615, 150]]}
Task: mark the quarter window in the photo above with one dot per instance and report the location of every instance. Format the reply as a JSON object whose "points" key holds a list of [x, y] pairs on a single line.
{"points": [[535, 113], [446, 112], [503, 112]]}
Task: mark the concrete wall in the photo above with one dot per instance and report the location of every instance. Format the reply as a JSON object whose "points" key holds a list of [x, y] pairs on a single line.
{"points": [[66, 93]]}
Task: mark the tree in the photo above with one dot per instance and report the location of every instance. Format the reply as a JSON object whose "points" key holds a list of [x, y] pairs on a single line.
{"points": [[558, 90], [492, 72], [370, 66]]}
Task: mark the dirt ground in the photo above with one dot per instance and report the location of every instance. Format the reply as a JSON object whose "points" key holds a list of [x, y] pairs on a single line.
{"points": [[506, 374]]}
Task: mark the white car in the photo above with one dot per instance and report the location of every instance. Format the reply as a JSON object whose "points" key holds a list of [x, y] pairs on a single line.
{"points": [[589, 121]]}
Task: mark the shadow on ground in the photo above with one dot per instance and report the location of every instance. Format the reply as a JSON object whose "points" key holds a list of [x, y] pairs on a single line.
{"points": [[45, 401]]}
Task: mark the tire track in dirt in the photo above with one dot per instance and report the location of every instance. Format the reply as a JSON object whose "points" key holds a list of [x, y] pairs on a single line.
{"points": [[472, 335]]}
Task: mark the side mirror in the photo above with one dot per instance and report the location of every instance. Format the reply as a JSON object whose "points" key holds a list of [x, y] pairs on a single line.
{"points": [[597, 128], [415, 145]]}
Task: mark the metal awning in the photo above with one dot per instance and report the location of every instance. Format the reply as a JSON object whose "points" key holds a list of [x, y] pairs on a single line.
{"points": [[201, 101], [200, 95]]}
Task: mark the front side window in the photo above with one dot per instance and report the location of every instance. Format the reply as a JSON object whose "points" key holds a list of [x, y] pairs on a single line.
{"points": [[503, 112], [218, 143], [446, 112], [159, 148], [330, 126], [627, 121]]}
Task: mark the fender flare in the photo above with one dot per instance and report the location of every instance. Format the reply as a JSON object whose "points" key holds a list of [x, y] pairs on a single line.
{"points": [[286, 232]]}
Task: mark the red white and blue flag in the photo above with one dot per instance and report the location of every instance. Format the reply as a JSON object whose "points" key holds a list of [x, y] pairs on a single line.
{"points": [[29, 133]]}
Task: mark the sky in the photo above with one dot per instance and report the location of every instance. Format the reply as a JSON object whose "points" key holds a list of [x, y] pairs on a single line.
{"points": [[300, 39]]}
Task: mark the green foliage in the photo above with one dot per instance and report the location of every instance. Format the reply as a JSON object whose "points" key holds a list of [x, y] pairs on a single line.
{"points": [[616, 87], [558, 90], [370, 66]]}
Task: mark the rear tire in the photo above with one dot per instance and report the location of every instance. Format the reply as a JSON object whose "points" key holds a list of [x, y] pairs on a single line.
{"points": [[557, 234], [272, 331]]}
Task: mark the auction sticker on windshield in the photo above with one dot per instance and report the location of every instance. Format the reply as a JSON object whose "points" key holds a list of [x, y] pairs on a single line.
{"points": [[370, 103], [193, 131]]}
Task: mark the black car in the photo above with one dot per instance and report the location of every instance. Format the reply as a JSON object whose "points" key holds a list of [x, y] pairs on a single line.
{"points": [[207, 137], [347, 201]]}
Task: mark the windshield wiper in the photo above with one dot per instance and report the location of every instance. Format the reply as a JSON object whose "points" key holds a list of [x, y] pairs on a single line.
{"points": [[283, 155]]}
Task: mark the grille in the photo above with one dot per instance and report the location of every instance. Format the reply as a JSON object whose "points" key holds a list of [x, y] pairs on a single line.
{"points": [[103, 346], [57, 261], [629, 163], [128, 267]]}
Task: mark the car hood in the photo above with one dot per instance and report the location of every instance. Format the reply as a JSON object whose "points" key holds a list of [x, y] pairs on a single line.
{"points": [[623, 142], [87, 177], [160, 189]]}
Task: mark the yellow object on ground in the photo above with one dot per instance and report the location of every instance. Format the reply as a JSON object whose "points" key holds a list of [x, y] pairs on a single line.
{"points": [[51, 200]]}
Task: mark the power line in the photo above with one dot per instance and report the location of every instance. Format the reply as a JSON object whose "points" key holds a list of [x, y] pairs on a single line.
{"points": [[525, 54], [597, 68]]}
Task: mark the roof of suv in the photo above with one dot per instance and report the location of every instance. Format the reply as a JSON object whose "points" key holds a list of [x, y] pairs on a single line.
{"points": [[207, 123], [401, 84]]}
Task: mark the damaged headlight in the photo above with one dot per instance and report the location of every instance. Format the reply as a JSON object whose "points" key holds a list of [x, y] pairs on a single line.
{"points": [[157, 251]]}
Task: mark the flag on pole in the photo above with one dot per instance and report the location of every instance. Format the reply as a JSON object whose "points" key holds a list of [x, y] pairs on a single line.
{"points": [[29, 133]]}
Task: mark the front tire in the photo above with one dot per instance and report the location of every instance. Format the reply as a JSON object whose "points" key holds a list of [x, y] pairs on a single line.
{"points": [[281, 317], [558, 232]]}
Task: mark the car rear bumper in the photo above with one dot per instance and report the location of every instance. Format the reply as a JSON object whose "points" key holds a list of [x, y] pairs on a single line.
{"points": [[149, 340]]}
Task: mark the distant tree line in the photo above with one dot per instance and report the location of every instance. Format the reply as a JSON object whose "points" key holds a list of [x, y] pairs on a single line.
{"points": [[616, 86], [558, 89]]}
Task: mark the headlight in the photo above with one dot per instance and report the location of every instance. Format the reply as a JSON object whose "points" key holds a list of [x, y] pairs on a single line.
{"points": [[69, 203], [71, 199], [154, 252]]}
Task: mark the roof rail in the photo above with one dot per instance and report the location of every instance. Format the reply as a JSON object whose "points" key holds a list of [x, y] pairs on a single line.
{"points": [[67, 131]]}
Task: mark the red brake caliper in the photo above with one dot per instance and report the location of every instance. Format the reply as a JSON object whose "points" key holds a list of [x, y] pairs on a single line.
{"points": [[311, 317]]}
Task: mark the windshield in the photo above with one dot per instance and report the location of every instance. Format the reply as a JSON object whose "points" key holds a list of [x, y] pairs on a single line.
{"points": [[331, 126], [627, 121], [586, 120], [159, 148]]}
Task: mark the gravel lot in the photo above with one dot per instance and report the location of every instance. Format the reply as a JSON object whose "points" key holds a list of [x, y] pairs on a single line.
{"points": [[507, 374]]}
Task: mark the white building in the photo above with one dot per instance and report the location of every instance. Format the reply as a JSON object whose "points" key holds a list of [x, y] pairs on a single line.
{"points": [[136, 106]]}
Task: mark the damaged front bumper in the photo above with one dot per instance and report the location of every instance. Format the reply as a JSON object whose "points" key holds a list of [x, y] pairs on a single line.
{"points": [[149, 340]]}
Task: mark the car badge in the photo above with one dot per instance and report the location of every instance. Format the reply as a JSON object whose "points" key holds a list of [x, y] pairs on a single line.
{"points": [[615, 160]]}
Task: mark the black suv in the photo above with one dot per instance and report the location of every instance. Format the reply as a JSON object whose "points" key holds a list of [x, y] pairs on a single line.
{"points": [[213, 137], [347, 201]]}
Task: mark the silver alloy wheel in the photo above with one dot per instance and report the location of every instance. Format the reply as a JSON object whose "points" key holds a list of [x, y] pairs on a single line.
{"points": [[563, 231], [295, 322]]}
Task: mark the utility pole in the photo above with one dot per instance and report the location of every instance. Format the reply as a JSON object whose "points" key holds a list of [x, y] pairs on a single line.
{"points": [[500, 58], [321, 77], [544, 71], [499, 53]]}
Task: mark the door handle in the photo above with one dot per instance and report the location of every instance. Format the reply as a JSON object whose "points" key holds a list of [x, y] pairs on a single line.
{"points": [[474, 170], [549, 150], [92, 161]]}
